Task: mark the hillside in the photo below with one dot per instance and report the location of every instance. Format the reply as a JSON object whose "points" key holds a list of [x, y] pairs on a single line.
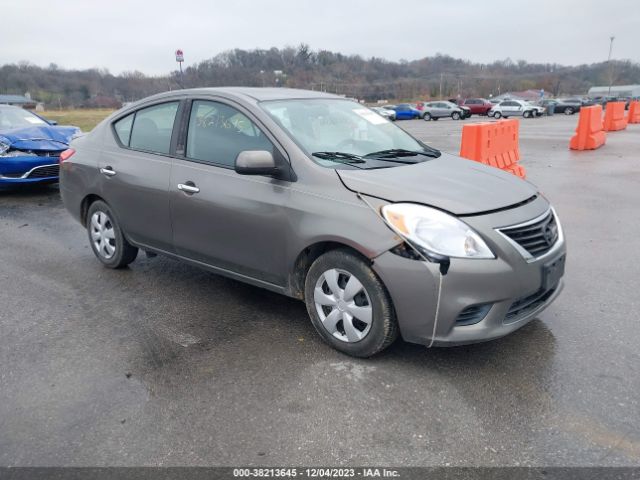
{"points": [[301, 67]]}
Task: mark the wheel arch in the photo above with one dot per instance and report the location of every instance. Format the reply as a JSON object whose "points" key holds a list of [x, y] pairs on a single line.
{"points": [[85, 204], [309, 254]]}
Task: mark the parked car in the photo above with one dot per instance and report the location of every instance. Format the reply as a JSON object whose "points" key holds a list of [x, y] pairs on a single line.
{"points": [[512, 108], [443, 109], [30, 147], [405, 111], [566, 106], [385, 112], [477, 106], [291, 191], [539, 110]]}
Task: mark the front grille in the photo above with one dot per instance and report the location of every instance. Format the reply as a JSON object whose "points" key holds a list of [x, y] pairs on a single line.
{"points": [[47, 153], [45, 171], [473, 314], [525, 305], [538, 237]]}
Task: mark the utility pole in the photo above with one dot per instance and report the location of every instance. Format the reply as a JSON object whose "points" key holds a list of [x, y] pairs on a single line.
{"points": [[441, 75], [611, 39]]}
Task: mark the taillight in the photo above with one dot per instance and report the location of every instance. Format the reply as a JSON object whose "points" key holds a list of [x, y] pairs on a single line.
{"points": [[66, 155]]}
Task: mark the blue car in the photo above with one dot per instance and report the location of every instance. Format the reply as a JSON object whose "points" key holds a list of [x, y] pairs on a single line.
{"points": [[30, 147], [404, 111]]}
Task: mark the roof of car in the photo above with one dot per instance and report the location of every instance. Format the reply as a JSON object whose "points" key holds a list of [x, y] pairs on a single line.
{"points": [[259, 93]]}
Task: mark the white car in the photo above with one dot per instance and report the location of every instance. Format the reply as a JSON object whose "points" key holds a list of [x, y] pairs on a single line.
{"points": [[385, 112], [539, 110], [512, 108]]}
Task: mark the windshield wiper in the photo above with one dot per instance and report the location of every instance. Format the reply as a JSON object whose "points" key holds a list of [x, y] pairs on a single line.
{"points": [[401, 152], [339, 157]]}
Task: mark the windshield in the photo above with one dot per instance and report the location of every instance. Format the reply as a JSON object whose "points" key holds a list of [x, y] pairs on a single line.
{"points": [[342, 130], [17, 117]]}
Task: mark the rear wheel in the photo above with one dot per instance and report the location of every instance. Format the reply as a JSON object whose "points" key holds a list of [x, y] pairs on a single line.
{"points": [[348, 304], [455, 115], [106, 238], [527, 114], [568, 111]]}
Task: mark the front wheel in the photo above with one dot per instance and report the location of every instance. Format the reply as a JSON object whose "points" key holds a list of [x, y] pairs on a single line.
{"points": [[455, 115], [426, 117], [568, 111], [106, 238], [497, 115], [348, 304]]}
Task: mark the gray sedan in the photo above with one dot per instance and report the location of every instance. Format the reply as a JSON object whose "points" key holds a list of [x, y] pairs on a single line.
{"points": [[442, 109], [319, 198]]}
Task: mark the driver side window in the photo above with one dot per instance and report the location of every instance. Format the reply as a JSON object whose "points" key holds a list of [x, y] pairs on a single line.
{"points": [[217, 133]]}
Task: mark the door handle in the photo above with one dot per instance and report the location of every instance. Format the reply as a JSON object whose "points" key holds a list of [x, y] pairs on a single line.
{"points": [[108, 171], [188, 188]]}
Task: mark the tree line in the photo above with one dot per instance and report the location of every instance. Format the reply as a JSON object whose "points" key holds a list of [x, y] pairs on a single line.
{"points": [[370, 79]]}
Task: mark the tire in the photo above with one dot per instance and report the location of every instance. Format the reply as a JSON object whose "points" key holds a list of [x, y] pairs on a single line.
{"points": [[426, 117], [497, 114], [106, 238], [568, 111], [336, 319], [527, 114], [455, 115]]}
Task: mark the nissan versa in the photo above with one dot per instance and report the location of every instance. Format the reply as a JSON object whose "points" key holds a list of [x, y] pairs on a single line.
{"points": [[322, 199]]}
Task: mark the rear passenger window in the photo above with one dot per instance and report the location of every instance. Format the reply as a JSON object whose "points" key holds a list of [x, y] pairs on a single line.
{"points": [[123, 129], [218, 133], [152, 128]]}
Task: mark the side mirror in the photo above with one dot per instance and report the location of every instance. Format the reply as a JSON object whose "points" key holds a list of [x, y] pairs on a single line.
{"points": [[256, 162]]}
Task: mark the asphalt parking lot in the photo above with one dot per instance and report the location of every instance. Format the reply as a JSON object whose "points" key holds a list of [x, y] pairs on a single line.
{"points": [[164, 364]]}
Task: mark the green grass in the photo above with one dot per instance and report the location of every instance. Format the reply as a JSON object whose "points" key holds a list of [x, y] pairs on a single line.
{"points": [[86, 119]]}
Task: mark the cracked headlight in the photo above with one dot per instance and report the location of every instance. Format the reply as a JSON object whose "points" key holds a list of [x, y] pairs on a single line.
{"points": [[435, 231]]}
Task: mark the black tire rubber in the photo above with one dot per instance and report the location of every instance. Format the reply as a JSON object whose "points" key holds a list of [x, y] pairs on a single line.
{"points": [[455, 116], [125, 252], [384, 326], [426, 117]]}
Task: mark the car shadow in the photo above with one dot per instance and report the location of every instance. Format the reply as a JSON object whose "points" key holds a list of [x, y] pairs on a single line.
{"points": [[29, 191]]}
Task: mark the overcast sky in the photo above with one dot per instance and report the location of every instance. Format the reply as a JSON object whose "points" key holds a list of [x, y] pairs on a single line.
{"points": [[142, 35]]}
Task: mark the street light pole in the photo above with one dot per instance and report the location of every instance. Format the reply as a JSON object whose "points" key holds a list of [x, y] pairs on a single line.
{"points": [[611, 39]]}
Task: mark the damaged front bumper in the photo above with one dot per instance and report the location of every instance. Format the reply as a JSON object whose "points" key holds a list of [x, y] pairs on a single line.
{"points": [[480, 299]]}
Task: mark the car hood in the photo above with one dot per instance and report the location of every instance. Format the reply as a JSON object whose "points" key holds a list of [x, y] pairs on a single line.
{"points": [[45, 137], [450, 183]]}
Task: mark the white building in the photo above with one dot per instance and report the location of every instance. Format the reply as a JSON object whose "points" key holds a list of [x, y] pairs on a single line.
{"points": [[616, 91]]}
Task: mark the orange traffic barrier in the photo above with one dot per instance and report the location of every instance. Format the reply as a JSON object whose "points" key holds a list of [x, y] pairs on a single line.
{"points": [[517, 170], [494, 144], [634, 112], [614, 118], [589, 133]]}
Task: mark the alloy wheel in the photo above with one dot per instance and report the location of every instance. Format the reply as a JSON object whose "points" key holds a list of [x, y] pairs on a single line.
{"points": [[343, 305], [103, 235]]}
